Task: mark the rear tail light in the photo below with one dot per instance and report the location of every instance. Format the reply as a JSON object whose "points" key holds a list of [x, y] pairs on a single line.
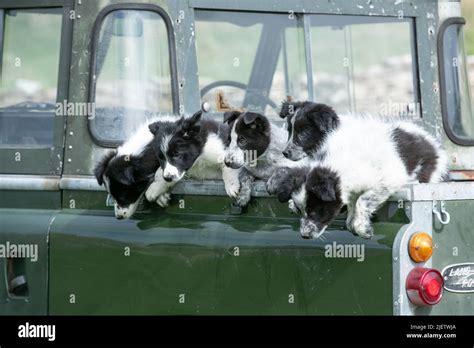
{"points": [[420, 247], [424, 286]]}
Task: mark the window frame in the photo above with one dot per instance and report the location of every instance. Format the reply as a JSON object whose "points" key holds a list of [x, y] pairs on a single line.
{"points": [[42, 160], [442, 82], [93, 64]]}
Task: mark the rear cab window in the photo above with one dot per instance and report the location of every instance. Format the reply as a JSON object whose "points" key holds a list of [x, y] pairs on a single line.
{"points": [[256, 60], [359, 66], [34, 75]]}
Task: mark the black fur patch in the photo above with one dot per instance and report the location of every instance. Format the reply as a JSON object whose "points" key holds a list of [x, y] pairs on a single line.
{"points": [[128, 176], [416, 152], [323, 195], [100, 167], [253, 132]]}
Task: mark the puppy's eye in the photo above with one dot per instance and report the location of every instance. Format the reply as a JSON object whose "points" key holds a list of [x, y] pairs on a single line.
{"points": [[242, 141]]}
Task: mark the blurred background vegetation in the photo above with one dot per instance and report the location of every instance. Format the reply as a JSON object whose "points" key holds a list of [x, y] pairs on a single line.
{"points": [[468, 14]]}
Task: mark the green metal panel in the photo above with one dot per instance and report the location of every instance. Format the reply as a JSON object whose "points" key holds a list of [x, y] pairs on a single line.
{"points": [[455, 244], [23, 226], [192, 252], [30, 200]]}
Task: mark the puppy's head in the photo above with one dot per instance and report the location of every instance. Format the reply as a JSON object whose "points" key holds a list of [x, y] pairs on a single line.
{"points": [[308, 124], [178, 145], [249, 138], [322, 202], [123, 181]]}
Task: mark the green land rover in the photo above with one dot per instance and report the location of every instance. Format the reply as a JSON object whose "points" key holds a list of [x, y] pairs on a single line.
{"points": [[79, 75]]}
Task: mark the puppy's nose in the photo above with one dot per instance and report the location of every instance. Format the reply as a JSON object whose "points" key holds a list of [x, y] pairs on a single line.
{"points": [[119, 217], [227, 163], [306, 237], [286, 153], [167, 178]]}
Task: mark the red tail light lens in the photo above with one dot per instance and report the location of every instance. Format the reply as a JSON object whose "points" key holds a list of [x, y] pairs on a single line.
{"points": [[424, 286]]}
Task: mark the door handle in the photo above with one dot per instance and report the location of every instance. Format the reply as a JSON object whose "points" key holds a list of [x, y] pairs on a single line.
{"points": [[16, 277]]}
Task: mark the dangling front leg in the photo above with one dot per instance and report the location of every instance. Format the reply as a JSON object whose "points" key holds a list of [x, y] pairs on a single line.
{"points": [[246, 180], [366, 205], [231, 181], [158, 189]]}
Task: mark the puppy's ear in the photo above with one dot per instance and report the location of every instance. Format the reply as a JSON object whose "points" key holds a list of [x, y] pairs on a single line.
{"points": [[288, 108], [100, 167], [231, 116], [154, 128], [324, 117], [192, 121], [285, 109], [255, 120]]}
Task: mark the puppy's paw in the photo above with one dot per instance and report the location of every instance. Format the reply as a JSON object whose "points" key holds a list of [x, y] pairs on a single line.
{"points": [[231, 181], [281, 184], [163, 200], [292, 206], [243, 198], [232, 188], [363, 228], [274, 182], [154, 191]]}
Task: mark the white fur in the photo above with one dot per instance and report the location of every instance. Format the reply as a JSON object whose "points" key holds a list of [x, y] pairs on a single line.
{"points": [[141, 137], [231, 181], [125, 212], [364, 155], [361, 150], [209, 164], [170, 171], [234, 154]]}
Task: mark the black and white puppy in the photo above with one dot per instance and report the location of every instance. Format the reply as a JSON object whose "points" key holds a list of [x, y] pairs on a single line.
{"points": [[308, 126], [362, 162], [127, 172], [255, 145], [192, 147]]}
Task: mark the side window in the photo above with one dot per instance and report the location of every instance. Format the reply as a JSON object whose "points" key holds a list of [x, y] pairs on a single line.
{"points": [[456, 102], [29, 75], [361, 65], [132, 73], [253, 60]]}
